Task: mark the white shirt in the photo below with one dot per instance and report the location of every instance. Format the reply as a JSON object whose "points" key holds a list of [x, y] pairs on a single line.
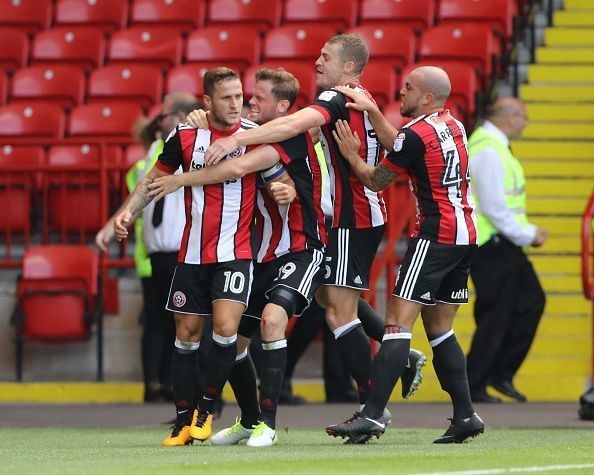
{"points": [[487, 172]]}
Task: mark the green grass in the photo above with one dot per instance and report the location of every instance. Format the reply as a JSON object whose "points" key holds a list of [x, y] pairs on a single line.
{"points": [[399, 451]]}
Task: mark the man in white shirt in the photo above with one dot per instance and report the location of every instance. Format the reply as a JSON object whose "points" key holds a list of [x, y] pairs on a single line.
{"points": [[509, 297]]}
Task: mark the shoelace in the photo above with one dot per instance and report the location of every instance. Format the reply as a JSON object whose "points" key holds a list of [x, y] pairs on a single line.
{"points": [[176, 430], [202, 416], [353, 418]]}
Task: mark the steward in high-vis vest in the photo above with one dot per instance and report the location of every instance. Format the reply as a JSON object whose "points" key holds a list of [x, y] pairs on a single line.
{"points": [[509, 298]]}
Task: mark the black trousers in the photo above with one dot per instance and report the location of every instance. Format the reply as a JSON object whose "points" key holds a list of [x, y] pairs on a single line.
{"points": [[158, 336], [509, 304]]}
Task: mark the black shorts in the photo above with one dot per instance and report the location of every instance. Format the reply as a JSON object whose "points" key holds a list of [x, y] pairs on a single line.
{"points": [[299, 272], [432, 272], [349, 255], [195, 287]]}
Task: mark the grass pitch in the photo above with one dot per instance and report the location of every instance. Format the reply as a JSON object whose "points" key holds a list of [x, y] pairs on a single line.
{"points": [[401, 451]]}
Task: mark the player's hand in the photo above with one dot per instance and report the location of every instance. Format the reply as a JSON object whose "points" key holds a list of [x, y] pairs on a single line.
{"points": [[198, 119], [164, 185], [282, 193], [360, 101], [541, 236], [104, 236], [219, 149], [120, 225], [348, 142]]}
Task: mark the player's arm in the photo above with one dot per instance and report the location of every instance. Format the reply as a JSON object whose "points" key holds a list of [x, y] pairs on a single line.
{"points": [[375, 178], [279, 184], [260, 158], [274, 131], [135, 203], [385, 132]]}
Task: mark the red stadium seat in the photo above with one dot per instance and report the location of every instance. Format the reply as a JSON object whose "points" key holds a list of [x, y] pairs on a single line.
{"points": [[304, 73], [160, 46], [496, 13], [184, 15], [108, 14], [64, 85], [28, 15], [236, 47], [78, 45], [14, 48], [466, 42], [18, 179], [416, 14], [132, 82], [107, 119], [34, 120], [293, 42], [262, 14], [391, 45], [58, 299], [186, 78], [464, 80], [73, 177], [380, 82], [335, 15]]}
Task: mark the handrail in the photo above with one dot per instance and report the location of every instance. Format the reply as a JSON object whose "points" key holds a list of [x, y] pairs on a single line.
{"points": [[587, 256]]}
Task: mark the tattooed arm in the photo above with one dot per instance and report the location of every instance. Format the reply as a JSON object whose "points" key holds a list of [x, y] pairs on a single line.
{"points": [[375, 178], [135, 203]]}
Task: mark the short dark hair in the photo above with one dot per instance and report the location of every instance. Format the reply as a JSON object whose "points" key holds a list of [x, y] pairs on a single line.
{"points": [[285, 86], [216, 75], [352, 48]]}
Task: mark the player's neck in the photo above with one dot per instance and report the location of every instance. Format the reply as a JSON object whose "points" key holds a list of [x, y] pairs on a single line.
{"points": [[220, 127]]}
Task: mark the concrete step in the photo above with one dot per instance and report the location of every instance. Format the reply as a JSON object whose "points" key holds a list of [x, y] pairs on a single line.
{"points": [[578, 5], [583, 55], [562, 245], [553, 150], [565, 206], [548, 168], [560, 74], [545, 93], [559, 225], [545, 264], [551, 112], [574, 18], [559, 130], [543, 187], [557, 37]]}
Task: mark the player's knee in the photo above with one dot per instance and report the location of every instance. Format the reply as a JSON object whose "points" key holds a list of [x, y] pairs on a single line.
{"points": [[225, 328]]}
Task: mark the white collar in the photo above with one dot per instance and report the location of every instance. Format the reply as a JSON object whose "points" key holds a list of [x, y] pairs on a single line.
{"points": [[493, 129]]}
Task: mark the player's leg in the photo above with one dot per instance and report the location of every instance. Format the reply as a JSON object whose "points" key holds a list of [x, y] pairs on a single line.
{"points": [[187, 301], [230, 285]]}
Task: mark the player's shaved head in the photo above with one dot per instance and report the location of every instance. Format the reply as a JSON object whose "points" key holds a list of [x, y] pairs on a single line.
{"points": [[434, 80]]}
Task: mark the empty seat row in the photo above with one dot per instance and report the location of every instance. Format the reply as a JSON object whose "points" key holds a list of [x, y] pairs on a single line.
{"points": [[185, 15], [112, 120], [240, 47]]}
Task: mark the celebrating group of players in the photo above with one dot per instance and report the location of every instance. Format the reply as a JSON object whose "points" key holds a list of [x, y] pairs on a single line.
{"points": [[255, 250]]}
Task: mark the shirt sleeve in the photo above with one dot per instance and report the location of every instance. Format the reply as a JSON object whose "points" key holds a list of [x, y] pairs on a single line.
{"points": [[171, 157], [406, 151], [332, 105], [487, 174]]}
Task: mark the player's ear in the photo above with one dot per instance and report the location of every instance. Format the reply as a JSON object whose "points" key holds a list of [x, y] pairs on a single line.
{"points": [[348, 67], [282, 106]]}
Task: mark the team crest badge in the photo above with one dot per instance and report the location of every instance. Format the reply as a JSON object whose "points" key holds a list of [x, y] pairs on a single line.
{"points": [[179, 299], [235, 153]]}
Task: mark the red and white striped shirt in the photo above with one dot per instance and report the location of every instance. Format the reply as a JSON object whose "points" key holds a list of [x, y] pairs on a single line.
{"points": [[355, 206], [219, 217], [433, 151]]}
